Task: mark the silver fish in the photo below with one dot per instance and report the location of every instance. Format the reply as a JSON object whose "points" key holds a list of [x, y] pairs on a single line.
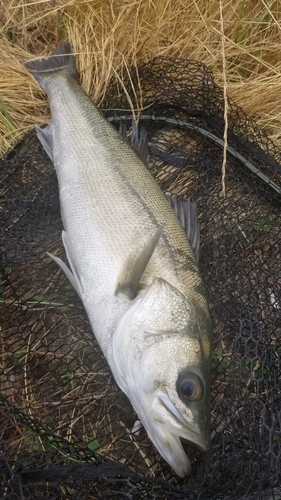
{"points": [[131, 265]]}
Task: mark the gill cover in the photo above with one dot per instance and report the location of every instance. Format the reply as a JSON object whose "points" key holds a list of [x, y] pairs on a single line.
{"points": [[160, 310]]}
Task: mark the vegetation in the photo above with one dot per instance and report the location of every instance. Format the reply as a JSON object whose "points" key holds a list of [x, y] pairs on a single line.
{"points": [[239, 40]]}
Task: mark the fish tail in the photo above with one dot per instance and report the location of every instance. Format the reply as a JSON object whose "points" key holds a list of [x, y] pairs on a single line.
{"points": [[60, 61]]}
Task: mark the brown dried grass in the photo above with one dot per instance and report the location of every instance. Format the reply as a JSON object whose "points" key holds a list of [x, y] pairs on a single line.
{"points": [[110, 36]]}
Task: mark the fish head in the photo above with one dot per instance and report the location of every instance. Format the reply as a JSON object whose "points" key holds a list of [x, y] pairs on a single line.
{"points": [[162, 359]]}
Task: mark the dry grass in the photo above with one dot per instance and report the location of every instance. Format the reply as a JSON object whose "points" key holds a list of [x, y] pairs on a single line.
{"points": [[110, 36]]}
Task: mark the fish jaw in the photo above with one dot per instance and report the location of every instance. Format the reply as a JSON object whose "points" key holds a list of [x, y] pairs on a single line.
{"points": [[170, 448], [167, 428], [164, 412]]}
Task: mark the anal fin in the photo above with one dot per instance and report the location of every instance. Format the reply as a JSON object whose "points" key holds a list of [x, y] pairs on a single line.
{"points": [[45, 136]]}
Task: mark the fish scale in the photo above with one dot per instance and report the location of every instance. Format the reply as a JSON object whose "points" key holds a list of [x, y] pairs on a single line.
{"points": [[132, 266]]}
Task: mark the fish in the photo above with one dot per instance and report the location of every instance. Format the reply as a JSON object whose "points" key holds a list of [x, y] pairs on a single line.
{"points": [[131, 264]]}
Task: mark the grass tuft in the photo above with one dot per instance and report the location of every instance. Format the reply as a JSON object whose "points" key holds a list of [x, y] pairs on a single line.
{"points": [[108, 37]]}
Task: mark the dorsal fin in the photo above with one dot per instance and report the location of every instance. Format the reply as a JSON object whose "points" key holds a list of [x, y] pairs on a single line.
{"points": [[139, 139], [139, 142], [186, 212]]}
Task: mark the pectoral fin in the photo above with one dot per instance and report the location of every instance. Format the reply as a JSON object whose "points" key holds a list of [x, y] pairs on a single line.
{"points": [[186, 212], [135, 266]]}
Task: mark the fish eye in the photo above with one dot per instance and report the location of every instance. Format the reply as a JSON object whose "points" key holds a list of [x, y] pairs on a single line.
{"points": [[190, 387]]}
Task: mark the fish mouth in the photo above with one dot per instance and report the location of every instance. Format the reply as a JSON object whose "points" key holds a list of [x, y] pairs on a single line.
{"points": [[177, 456], [186, 434], [172, 448], [170, 432], [191, 438], [195, 441]]}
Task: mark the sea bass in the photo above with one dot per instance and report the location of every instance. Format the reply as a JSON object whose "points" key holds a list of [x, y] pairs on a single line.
{"points": [[132, 266]]}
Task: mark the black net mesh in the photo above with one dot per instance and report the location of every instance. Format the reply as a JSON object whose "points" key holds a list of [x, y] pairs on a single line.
{"points": [[65, 427]]}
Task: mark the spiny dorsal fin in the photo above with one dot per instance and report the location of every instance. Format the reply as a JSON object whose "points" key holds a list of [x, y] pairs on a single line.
{"points": [[139, 139], [186, 212], [139, 142]]}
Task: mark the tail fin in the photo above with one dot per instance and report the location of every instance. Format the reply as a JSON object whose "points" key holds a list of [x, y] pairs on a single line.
{"points": [[61, 60]]}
